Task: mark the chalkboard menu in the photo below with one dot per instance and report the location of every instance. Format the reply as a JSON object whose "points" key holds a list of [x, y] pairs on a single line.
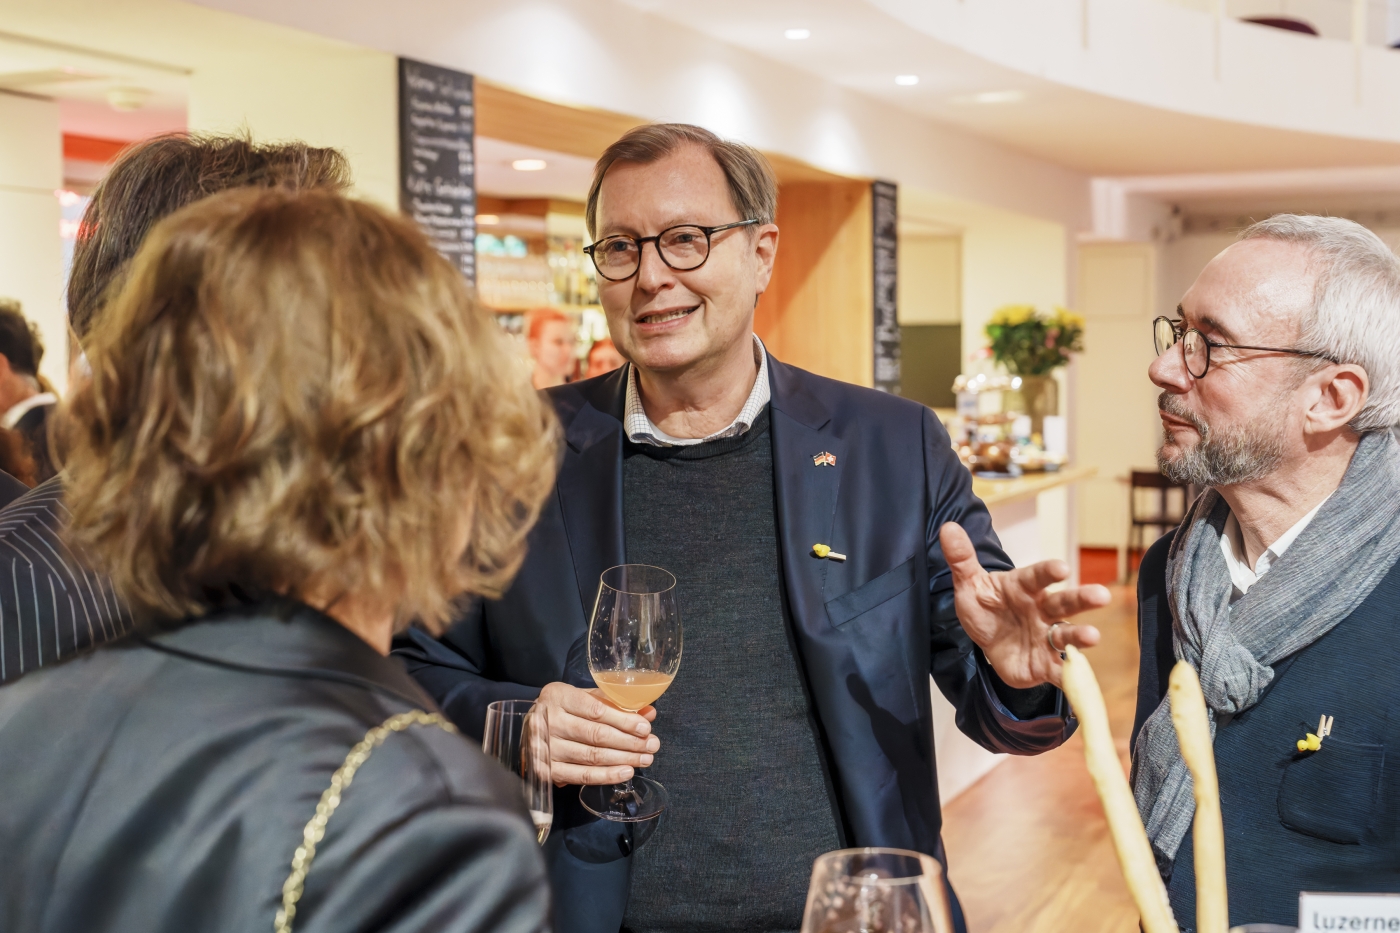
{"points": [[437, 161], [884, 196]]}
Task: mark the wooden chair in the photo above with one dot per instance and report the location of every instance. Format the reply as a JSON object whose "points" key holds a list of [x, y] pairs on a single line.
{"points": [[1162, 513]]}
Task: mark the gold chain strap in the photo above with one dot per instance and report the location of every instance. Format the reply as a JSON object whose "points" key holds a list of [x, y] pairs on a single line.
{"points": [[316, 829]]}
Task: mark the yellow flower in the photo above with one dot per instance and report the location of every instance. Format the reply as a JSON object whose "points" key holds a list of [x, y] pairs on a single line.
{"points": [[1011, 315], [1068, 320]]}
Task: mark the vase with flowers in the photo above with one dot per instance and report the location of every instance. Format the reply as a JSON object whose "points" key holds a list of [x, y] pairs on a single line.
{"points": [[1032, 344]]}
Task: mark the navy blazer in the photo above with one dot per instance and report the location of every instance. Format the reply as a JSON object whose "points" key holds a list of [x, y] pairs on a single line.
{"points": [[868, 630]]}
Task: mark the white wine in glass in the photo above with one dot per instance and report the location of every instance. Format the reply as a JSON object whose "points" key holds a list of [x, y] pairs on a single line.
{"points": [[634, 651], [517, 735], [877, 891]]}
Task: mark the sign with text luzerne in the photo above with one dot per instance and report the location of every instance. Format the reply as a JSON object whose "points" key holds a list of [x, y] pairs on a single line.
{"points": [[437, 161], [884, 197]]}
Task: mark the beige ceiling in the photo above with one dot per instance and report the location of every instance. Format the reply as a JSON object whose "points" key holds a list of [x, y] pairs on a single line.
{"points": [[1103, 136], [859, 47]]}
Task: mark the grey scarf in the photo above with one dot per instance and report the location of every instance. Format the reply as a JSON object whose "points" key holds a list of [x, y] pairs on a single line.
{"points": [[1351, 543]]}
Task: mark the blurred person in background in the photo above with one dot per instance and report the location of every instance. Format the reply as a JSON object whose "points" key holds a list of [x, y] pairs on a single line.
{"points": [[25, 398], [299, 433], [603, 358], [56, 606], [552, 340], [1280, 381]]}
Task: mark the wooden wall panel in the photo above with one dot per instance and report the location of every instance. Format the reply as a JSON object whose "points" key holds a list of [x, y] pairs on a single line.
{"points": [[518, 118], [818, 312]]}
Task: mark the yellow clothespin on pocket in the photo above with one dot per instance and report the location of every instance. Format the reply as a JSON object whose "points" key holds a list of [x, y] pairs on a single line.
{"points": [[1314, 739]]}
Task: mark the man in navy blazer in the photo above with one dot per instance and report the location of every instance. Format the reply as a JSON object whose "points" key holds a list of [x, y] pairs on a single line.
{"points": [[676, 459]]}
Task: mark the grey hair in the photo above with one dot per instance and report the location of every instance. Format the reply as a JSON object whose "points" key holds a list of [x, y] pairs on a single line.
{"points": [[1355, 314]]}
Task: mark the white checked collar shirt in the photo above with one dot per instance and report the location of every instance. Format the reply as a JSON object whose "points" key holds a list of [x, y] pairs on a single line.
{"points": [[1232, 546], [640, 430]]}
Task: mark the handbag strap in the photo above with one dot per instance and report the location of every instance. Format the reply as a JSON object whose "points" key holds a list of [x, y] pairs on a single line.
{"points": [[330, 799]]}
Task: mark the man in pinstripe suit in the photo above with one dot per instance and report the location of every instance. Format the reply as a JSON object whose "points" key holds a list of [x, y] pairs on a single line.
{"points": [[51, 605]]}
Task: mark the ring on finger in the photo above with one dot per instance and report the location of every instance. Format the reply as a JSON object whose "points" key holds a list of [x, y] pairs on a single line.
{"points": [[1050, 637]]}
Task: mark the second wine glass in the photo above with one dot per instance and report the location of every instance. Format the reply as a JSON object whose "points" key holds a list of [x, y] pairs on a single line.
{"points": [[517, 735], [877, 891], [634, 652]]}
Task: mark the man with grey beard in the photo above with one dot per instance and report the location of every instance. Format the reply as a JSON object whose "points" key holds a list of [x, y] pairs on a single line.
{"points": [[1280, 379]]}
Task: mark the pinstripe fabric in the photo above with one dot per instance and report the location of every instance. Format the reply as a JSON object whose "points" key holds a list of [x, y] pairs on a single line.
{"points": [[51, 606]]}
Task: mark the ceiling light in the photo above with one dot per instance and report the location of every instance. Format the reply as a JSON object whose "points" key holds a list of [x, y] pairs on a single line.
{"points": [[1010, 96], [906, 80], [488, 220], [529, 165], [798, 33]]}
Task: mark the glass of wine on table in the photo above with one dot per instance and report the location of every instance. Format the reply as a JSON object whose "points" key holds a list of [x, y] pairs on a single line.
{"points": [[634, 651]]}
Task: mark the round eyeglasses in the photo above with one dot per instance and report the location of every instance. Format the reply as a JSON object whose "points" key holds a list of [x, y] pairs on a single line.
{"points": [[682, 248], [1195, 348]]}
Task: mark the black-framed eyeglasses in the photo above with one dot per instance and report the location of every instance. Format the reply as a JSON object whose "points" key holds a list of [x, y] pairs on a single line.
{"points": [[1195, 347], [683, 247]]}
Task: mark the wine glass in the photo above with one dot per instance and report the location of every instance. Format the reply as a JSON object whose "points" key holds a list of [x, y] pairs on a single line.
{"points": [[877, 891], [517, 735], [634, 651]]}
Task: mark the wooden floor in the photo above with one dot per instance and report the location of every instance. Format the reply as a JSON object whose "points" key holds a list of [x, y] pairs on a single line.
{"points": [[1028, 848]]}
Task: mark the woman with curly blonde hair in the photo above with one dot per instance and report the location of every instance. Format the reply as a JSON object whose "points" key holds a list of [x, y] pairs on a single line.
{"points": [[300, 433]]}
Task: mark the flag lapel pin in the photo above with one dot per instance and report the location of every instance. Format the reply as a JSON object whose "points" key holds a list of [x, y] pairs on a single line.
{"points": [[825, 458]]}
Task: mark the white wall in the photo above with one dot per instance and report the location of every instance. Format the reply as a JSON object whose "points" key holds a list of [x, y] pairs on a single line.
{"points": [[930, 278], [1117, 425], [274, 82], [1007, 257], [31, 253], [280, 87]]}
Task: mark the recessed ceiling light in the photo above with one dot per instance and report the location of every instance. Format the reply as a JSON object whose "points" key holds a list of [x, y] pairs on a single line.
{"points": [[798, 33], [1010, 96], [488, 220], [906, 80], [529, 165]]}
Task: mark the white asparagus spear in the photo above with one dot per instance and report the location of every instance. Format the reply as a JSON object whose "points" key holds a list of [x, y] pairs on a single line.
{"points": [[1129, 838], [1207, 830]]}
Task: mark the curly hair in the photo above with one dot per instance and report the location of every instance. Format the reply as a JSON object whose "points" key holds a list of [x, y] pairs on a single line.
{"points": [[293, 393]]}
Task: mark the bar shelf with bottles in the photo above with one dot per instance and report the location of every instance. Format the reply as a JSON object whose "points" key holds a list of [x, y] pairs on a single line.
{"points": [[530, 255]]}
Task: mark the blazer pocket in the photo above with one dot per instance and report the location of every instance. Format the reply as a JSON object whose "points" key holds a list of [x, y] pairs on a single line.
{"points": [[1332, 793], [872, 593]]}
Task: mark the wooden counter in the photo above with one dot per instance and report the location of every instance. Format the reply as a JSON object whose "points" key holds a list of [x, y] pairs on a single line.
{"points": [[995, 492]]}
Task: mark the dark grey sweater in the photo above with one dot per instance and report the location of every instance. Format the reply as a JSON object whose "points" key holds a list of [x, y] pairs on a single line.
{"points": [[750, 806]]}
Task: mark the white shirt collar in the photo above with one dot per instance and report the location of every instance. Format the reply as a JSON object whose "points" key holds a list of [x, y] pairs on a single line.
{"points": [[19, 410], [1232, 546], [640, 429]]}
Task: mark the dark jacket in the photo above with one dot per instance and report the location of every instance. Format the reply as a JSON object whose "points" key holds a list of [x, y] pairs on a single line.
{"points": [[54, 606], [1318, 821], [34, 428], [10, 489], [868, 631], [164, 785]]}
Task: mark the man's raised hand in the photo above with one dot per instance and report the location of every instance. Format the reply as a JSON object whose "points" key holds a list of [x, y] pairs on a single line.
{"points": [[1009, 613]]}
